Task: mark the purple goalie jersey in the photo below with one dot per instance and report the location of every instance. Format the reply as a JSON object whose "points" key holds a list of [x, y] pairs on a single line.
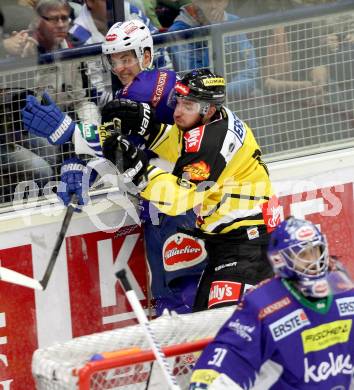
{"points": [[153, 86], [276, 339]]}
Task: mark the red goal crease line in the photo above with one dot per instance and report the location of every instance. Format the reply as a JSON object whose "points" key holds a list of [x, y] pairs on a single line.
{"points": [[129, 359]]}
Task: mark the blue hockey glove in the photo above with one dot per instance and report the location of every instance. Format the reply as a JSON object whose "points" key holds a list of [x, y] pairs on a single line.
{"points": [[76, 179], [46, 120]]}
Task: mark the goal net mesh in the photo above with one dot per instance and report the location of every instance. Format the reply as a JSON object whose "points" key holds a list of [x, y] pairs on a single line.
{"points": [[69, 365]]}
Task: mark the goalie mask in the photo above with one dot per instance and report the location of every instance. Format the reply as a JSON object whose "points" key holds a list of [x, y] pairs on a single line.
{"points": [[298, 251], [202, 86], [124, 36]]}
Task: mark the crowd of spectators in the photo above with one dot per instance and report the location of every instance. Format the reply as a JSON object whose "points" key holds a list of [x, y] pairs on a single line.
{"points": [[290, 64]]}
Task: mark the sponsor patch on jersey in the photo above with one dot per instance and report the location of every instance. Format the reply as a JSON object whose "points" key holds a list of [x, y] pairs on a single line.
{"points": [[335, 366], [288, 324], [244, 331], [326, 335], [182, 251], [274, 307], [214, 81], [345, 306], [252, 232], [197, 171], [204, 376], [222, 291], [193, 139], [159, 88], [272, 213]]}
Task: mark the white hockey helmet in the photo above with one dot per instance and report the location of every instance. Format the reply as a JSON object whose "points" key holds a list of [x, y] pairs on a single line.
{"points": [[130, 35]]}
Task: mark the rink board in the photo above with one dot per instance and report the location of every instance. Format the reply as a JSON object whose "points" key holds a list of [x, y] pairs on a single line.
{"points": [[83, 295]]}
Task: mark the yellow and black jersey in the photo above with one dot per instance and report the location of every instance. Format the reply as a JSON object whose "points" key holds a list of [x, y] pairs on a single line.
{"points": [[218, 172]]}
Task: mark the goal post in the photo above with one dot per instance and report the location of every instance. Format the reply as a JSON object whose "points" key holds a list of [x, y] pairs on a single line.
{"points": [[127, 370], [129, 362]]}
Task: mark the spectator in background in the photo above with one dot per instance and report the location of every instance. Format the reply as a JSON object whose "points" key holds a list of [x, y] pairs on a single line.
{"points": [[62, 79], [242, 81], [294, 67], [150, 11], [168, 10], [51, 32], [91, 25]]}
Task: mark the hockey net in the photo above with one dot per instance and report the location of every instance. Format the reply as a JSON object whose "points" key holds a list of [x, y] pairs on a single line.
{"points": [[128, 362]]}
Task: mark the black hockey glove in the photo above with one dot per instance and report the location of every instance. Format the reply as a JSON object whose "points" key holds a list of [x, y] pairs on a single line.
{"points": [[135, 160], [134, 118]]}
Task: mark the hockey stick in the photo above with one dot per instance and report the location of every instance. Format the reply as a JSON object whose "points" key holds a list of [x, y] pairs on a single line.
{"points": [[143, 321], [10, 276], [64, 227]]}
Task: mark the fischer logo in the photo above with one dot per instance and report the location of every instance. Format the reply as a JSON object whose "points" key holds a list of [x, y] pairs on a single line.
{"points": [[160, 87], [334, 367], [182, 251], [289, 324], [244, 331], [345, 306], [222, 291], [274, 307], [326, 335], [193, 139]]}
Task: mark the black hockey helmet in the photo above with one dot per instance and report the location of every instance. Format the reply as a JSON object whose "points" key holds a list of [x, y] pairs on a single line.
{"points": [[202, 85]]}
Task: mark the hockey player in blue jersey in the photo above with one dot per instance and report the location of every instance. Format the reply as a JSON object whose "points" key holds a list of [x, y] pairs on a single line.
{"points": [[128, 52], [294, 331]]}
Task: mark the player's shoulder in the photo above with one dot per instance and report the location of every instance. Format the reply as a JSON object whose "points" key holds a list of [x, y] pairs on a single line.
{"points": [[266, 293], [154, 73]]}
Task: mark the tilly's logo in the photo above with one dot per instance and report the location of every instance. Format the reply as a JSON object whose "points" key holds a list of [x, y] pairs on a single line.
{"points": [[224, 291]]}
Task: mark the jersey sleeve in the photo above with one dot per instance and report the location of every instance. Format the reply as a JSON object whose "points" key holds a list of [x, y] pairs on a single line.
{"points": [[237, 351], [170, 194]]}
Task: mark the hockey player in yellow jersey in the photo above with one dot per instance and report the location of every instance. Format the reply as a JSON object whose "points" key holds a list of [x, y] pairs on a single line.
{"points": [[218, 173]]}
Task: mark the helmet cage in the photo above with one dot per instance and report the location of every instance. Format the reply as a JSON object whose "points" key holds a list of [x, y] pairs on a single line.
{"points": [[301, 267], [299, 251]]}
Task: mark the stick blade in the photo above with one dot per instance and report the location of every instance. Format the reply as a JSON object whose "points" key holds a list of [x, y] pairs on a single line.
{"points": [[10, 276]]}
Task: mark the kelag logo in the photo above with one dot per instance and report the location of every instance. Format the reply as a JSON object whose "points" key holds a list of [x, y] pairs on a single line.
{"points": [[289, 324]]}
